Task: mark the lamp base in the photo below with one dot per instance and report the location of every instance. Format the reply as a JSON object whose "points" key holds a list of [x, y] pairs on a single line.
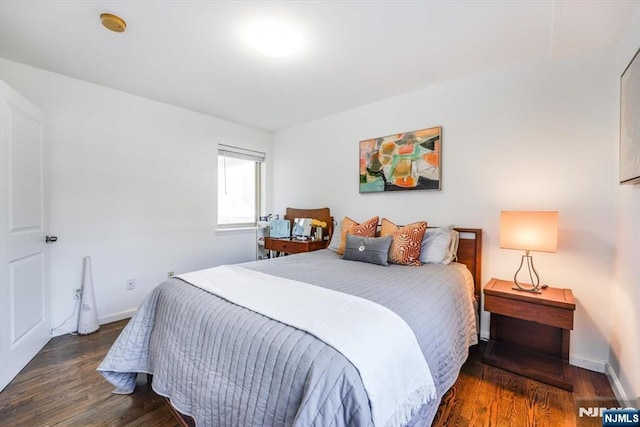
{"points": [[533, 275]]}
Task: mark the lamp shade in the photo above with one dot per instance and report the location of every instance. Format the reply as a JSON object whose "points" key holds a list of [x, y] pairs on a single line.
{"points": [[530, 231]]}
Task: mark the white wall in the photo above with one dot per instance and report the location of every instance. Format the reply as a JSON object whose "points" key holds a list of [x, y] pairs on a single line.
{"points": [[535, 136], [133, 185], [625, 293]]}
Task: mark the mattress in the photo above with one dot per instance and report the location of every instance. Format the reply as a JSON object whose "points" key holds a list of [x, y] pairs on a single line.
{"points": [[226, 365]]}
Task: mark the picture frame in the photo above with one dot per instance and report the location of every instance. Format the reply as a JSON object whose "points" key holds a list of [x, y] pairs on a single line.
{"points": [[402, 162], [301, 227], [630, 122], [279, 228]]}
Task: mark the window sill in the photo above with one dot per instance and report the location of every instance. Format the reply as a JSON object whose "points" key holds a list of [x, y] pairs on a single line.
{"points": [[236, 230]]}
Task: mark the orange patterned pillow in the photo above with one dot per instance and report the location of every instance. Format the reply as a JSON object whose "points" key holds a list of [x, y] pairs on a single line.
{"points": [[407, 240], [366, 229]]}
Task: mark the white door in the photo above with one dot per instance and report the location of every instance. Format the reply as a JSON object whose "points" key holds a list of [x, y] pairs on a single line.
{"points": [[25, 325]]}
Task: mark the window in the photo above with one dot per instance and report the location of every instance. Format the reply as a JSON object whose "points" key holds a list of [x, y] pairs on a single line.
{"points": [[239, 185]]}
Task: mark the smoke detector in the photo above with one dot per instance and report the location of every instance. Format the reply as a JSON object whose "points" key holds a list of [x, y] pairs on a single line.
{"points": [[113, 22]]}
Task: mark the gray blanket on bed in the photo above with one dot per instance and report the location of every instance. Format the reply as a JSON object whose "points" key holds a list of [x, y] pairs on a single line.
{"points": [[228, 366]]}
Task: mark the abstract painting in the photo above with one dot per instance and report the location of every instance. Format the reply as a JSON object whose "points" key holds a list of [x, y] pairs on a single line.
{"points": [[404, 161], [630, 123]]}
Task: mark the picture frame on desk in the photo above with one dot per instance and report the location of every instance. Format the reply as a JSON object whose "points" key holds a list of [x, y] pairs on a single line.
{"points": [[279, 228], [301, 227]]}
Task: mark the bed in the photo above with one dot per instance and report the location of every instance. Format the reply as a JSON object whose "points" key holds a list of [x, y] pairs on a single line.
{"points": [[223, 364]]}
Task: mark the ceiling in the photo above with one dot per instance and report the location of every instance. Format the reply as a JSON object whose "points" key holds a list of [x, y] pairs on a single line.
{"points": [[192, 54]]}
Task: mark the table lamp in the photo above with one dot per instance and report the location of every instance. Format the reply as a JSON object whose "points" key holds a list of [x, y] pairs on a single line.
{"points": [[529, 231]]}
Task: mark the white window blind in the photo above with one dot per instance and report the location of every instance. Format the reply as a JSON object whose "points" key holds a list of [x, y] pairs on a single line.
{"points": [[239, 186]]}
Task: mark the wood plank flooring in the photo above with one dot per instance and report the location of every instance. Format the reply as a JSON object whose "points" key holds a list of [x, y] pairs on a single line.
{"points": [[60, 387], [487, 396]]}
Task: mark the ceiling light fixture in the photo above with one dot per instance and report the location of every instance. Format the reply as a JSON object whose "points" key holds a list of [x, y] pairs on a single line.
{"points": [[113, 22], [274, 39]]}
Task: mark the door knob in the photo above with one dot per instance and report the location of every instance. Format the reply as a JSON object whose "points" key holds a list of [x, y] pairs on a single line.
{"points": [[51, 239]]}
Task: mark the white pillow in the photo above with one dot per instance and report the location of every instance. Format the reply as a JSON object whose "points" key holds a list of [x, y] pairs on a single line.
{"points": [[439, 245], [453, 249], [336, 238]]}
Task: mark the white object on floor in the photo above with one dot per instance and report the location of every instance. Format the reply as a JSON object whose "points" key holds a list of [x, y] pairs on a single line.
{"points": [[88, 315]]}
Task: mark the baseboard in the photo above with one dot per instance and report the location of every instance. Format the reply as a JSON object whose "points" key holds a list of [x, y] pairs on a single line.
{"points": [[102, 320], [60, 331], [596, 366], [579, 361], [624, 400], [127, 314], [586, 363]]}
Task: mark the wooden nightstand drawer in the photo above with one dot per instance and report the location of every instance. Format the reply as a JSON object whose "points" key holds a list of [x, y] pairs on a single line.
{"points": [[293, 246], [283, 246], [546, 315]]}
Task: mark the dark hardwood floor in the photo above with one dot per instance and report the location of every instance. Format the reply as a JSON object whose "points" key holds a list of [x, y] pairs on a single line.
{"points": [[60, 386]]}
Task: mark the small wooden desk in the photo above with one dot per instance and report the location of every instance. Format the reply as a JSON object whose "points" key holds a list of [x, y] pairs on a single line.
{"points": [[293, 246], [530, 332]]}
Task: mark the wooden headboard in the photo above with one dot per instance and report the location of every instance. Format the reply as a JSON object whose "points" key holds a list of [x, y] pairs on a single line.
{"points": [[470, 254]]}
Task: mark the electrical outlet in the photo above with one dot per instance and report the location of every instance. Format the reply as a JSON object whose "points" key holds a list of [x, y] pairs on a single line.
{"points": [[131, 284], [77, 293], [170, 274]]}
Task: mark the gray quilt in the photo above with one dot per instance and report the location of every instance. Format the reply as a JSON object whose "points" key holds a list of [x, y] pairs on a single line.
{"points": [[228, 366]]}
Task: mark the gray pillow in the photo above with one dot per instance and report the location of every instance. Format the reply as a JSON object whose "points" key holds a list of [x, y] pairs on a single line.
{"points": [[374, 250], [439, 245]]}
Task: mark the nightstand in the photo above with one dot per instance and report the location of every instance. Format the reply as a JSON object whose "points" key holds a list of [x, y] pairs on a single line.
{"points": [[293, 246], [530, 332]]}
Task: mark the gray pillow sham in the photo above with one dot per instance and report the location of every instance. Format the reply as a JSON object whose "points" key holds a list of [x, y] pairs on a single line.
{"points": [[439, 245], [374, 250]]}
